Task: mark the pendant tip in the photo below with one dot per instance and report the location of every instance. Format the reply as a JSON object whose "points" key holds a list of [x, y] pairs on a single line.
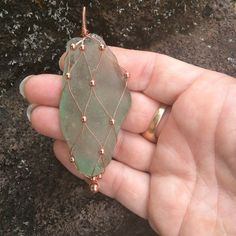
{"points": [[94, 188], [93, 183]]}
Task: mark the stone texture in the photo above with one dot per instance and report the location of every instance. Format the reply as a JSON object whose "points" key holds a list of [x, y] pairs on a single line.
{"points": [[37, 195], [95, 92]]}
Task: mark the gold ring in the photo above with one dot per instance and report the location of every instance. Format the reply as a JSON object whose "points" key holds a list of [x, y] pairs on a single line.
{"points": [[150, 133]]}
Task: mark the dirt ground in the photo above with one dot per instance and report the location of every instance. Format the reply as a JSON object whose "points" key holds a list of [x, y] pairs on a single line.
{"points": [[37, 195]]}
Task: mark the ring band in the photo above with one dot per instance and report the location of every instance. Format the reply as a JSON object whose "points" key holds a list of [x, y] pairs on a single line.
{"points": [[150, 133]]}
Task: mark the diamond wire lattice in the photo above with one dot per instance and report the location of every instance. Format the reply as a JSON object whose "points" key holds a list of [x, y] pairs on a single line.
{"points": [[94, 103]]}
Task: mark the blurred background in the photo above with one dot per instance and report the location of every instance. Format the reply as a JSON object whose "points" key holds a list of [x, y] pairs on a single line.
{"points": [[37, 195]]}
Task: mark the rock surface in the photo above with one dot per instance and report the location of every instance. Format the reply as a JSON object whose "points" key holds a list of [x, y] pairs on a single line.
{"points": [[37, 195]]}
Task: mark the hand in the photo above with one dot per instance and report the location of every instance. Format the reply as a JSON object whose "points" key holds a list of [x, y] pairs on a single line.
{"points": [[186, 183]]}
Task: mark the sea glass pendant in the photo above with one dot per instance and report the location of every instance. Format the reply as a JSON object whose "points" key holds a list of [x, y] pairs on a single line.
{"points": [[93, 104]]}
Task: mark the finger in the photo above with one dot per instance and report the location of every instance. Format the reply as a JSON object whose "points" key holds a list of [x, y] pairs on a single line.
{"points": [[60, 149], [131, 149], [43, 89], [128, 186], [137, 120], [61, 61], [159, 76], [134, 151], [140, 113], [45, 120]]}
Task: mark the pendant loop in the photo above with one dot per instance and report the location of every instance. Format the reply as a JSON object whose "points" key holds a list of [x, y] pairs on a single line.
{"points": [[84, 23]]}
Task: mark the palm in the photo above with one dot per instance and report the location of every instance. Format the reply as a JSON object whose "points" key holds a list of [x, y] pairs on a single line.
{"points": [[194, 164], [184, 185]]}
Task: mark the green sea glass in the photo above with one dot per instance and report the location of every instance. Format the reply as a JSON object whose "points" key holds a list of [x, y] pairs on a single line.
{"points": [[94, 103]]}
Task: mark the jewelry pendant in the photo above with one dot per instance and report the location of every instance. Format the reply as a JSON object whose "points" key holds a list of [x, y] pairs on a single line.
{"points": [[93, 104]]}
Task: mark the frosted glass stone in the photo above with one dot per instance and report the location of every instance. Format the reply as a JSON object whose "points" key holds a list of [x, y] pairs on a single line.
{"points": [[94, 103]]}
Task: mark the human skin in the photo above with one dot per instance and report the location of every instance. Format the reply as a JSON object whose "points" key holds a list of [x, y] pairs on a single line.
{"points": [[186, 183]]}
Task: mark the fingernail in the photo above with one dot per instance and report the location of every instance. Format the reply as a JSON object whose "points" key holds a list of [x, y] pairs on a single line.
{"points": [[29, 110], [22, 85]]}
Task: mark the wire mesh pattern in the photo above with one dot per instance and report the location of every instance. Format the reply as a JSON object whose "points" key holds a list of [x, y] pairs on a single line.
{"points": [[94, 103]]}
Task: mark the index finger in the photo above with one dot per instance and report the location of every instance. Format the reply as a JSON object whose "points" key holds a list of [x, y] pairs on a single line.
{"points": [[160, 77]]}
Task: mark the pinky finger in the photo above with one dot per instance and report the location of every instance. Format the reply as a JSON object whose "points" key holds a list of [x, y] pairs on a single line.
{"points": [[128, 186]]}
